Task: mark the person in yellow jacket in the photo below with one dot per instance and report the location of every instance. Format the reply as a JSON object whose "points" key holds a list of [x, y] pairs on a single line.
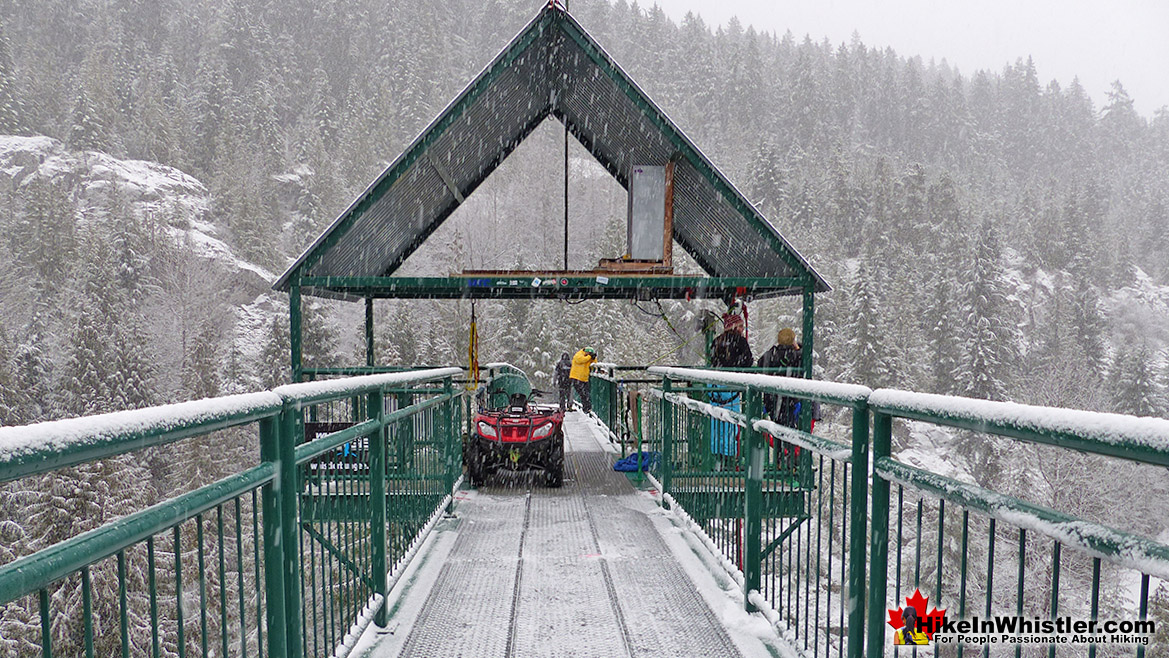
{"points": [[579, 375]]}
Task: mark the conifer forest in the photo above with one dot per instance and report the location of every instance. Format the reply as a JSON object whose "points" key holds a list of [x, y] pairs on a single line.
{"points": [[986, 233]]}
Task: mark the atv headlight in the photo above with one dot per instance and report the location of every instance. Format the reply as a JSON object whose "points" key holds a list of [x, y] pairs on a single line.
{"points": [[488, 430], [543, 430]]}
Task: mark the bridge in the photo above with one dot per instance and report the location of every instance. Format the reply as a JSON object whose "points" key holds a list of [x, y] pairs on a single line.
{"points": [[315, 549], [348, 525]]}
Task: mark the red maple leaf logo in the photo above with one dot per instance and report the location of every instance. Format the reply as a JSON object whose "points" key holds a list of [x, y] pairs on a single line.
{"points": [[928, 623]]}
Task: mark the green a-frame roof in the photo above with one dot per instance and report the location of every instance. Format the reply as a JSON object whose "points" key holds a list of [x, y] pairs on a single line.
{"points": [[552, 67]]}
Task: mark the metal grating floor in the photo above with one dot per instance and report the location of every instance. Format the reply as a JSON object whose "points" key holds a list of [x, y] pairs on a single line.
{"points": [[557, 573]]}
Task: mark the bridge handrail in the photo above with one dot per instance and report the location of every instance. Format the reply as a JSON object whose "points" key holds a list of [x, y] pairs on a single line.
{"points": [[847, 395], [44, 447], [34, 449], [1144, 440], [333, 389]]}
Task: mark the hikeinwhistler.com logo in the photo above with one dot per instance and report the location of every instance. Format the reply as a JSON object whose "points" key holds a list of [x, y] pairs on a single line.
{"points": [[913, 625]]}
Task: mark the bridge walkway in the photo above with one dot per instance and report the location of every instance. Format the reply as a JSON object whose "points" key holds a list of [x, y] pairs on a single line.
{"points": [[584, 570]]}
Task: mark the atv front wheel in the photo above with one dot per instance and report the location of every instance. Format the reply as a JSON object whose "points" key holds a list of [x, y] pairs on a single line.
{"points": [[554, 471], [475, 469]]}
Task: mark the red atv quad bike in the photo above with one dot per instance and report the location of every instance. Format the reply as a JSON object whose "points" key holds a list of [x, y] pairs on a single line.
{"points": [[510, 432]]}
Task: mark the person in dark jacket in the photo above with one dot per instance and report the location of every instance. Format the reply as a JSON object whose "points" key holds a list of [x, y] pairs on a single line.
{"points": [[561, 380], [729, 350], [786, 353]]}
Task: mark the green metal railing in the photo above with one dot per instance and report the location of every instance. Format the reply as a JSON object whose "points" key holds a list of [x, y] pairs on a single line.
{"points": [[780, 504], [288, 557], [981, 552], [796, 531], [605, 391]]}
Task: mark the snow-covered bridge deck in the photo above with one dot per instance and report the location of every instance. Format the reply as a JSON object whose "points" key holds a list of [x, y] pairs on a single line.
{"points": [[592, 569]]}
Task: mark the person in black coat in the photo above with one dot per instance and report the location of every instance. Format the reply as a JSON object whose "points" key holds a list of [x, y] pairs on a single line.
{"points": [[561, 380], [786, 353]]}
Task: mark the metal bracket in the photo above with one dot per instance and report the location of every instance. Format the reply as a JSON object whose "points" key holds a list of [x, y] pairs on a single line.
{"points": [[446, 178]]}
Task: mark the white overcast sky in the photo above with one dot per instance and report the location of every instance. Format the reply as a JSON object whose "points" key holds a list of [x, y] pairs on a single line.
{"points": [[1098, 41]]}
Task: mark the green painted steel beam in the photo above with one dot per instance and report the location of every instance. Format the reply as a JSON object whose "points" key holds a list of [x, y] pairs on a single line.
{"points": [[550, 285], [28, 574], [342, 559]]}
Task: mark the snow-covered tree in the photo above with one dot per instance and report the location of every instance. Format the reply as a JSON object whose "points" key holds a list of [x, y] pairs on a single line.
{"points": [[987, 325], [1133, 382]]}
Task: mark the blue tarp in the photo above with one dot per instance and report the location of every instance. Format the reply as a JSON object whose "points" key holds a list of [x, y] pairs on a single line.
{"points": [[629, 464]]}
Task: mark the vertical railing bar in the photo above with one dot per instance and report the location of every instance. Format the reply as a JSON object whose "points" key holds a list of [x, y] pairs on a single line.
{"points": [[46, 625], [260, 620], [807, 567], [202, 584], [1054, 590], [270, 605], [291, 429], [123, 607], [879, 542], [819, 552], [1095, 600], [860, 502], [846, 554], [222, 580], [831, 534], [941, 545], [962, 584], [153, 586], [989, 579], [316, 626], [1144, 608], [377, 488], [239, 570], [917, 546], [1022, 573], [87, 610], [178, 543]]}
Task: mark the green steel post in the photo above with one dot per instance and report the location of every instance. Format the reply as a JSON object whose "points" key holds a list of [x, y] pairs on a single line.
{"points": [[294, 330], [753, 505], [879, 546], [806, 348], [377, 494], [667, 438], [858, 531], [448, 443], [369, 356], [273, 551], [290, 429]]}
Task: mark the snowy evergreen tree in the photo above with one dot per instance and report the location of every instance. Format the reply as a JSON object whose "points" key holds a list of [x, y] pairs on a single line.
{"points": [[10, 402], [988, 327], [31, 375], [274, 366], [201, 376], [942, 332], [1134, 385], [13, 114]]}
